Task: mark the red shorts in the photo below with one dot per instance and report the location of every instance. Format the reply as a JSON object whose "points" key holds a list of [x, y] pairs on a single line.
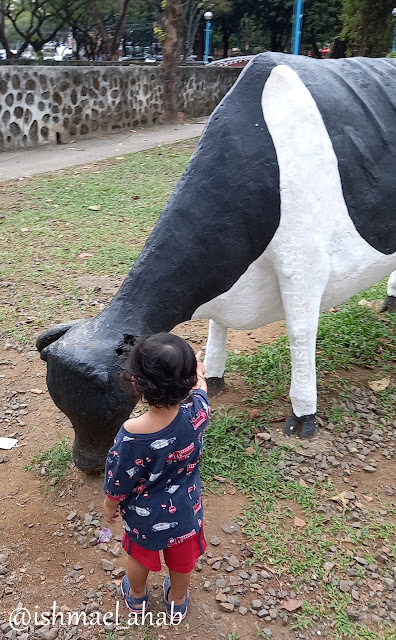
{"points": [[181, 558]]}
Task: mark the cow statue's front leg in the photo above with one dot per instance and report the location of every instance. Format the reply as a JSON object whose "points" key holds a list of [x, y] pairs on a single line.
{"points": [[215, 357], [389, 304], [301, 300]]}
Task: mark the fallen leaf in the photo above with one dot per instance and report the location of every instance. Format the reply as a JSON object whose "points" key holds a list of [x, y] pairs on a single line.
{"points": [[302, 483], [219, 478], [299, 522], [24, 229], [375, 586], [253, 413], [291, 604], [340, 498], [94, 207], [37, 392], [279, 419], [367, 498], [85, 255], [379, 385], [359, 505], [366, 303], [250, 451]]}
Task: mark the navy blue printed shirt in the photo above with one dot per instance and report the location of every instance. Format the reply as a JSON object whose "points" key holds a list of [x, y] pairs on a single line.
{"points": [[155, 477]]}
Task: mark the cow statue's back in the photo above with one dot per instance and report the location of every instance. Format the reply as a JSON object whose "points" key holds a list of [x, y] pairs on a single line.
{"points": [[286, 208]]}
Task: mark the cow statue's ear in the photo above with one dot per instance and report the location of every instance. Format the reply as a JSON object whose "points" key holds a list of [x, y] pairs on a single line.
{"points": [[54, 333]]}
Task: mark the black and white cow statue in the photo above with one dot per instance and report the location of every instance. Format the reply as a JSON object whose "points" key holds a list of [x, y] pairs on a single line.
{"points": [[287, 207]]}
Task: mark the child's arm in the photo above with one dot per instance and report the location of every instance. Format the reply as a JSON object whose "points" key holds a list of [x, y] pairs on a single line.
{"points": [[201, 382]]}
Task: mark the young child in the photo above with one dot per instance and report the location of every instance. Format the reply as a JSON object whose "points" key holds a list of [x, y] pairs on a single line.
{"points": [[152, 471]]}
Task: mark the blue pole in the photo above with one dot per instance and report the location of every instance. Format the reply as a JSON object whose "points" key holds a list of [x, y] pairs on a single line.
{"points": [[298, 13], [207, 41]]}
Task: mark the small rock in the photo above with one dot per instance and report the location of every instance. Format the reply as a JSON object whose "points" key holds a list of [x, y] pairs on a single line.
{"points": [[234, 600], [369, 469], [221, 597], [263, 613], [389, 583], [215, 541], [119, 573], [227, 606], [273, 613], [233, 561], [107, 565], [221, 583], [71, 515], [353, 614], [256, 604], [231, 527], [344, 586], [216, 566], [267, 633], [207, 586], [243, 611]]}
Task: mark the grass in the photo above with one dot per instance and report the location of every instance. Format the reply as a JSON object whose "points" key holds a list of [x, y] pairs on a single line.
{"points": [[54, 460], [48, 224]]}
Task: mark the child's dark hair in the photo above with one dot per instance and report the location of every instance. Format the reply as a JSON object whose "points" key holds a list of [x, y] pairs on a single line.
{"points": [[163, 368]]}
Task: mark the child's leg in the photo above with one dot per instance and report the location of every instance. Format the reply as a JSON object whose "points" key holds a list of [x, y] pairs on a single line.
{"points": [[137, 576], [179, 585]]}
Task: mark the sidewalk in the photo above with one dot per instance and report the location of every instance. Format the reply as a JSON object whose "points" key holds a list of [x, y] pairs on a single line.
{"points": [[21, 164]]}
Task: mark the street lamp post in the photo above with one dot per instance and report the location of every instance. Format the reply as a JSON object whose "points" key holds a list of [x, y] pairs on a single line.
{"points": [[298, 13], [394, 30], [208, 15]]}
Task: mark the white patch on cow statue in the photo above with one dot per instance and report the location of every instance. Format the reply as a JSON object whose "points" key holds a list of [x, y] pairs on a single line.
{"points": [[286, 208]]}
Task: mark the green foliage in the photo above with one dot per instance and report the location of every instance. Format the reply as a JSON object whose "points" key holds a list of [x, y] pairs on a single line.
{"points": [[367, 26]]}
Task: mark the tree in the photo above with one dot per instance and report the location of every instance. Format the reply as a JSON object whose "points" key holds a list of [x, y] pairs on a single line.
{"points": [[112, 40], [367, 26], [171, 58], [321, 23], [35, 22]]}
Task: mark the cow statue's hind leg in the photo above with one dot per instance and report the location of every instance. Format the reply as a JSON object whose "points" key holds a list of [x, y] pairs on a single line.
{"points": [[389, 304], [215, 357], [301, 300]]}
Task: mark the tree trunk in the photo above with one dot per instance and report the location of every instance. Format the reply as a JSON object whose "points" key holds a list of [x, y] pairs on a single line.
{"points": [[339, 48], [199, 45], [171, 59], [315, 49], [119, 30], [226, 38]]}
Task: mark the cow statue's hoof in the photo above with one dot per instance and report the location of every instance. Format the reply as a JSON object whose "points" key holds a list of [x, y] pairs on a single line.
{"points": [[215, 386], [389, 304], [304, 426]]}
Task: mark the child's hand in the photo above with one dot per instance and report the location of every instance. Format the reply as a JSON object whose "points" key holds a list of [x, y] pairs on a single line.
{"points": [[200, 364], [111, 510]]}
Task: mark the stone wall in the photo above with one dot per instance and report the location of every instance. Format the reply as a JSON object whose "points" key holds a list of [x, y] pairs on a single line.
{"points": [[44, 104]]}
